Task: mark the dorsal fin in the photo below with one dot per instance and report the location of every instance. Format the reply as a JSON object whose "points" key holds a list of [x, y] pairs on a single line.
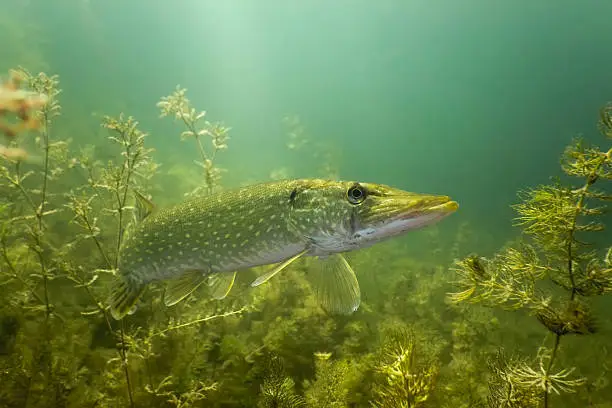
{"points": [[144, 206]]}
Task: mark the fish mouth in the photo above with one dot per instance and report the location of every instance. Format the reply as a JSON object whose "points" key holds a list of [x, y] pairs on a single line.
{"points": [[427, 207], [441, 205], [409, 206], [395, 212], [450, 207], [417, 212], [413, 211]]}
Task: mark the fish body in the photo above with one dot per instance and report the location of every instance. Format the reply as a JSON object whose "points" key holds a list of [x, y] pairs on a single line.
{"points": [[268, 223]]}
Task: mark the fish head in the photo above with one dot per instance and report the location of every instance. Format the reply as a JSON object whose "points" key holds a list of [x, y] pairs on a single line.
{"points": [[343, 216], [382, 212]]}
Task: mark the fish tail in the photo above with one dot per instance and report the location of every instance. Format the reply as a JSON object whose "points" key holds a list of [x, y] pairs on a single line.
{"points": [[124, 295]]}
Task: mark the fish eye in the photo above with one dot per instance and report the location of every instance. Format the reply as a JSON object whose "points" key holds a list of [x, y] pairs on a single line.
{"points": [[356, 194]]}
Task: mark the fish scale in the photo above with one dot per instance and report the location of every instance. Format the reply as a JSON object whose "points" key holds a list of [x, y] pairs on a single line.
{"points": [[239, 228], [268, 223]]}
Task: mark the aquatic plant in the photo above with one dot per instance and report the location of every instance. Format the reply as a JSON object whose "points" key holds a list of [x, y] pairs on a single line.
{"points": [[22, 105], [179, 106], [278, 389], [407, 379], [46, 326], [504, 390], [331, 385], [557, 220], [109, 188], [59, 347], [28, 249], [304, 147], [121, 180]]}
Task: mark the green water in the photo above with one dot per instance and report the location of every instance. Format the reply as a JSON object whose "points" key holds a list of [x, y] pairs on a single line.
{"points": [[472, 99], [460, 97]]}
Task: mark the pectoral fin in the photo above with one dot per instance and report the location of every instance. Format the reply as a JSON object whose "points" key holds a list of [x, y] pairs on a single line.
{"points": [[221, 283], [144, 206], [181, 287], [335, 285], [124, 295], [268, 275]]}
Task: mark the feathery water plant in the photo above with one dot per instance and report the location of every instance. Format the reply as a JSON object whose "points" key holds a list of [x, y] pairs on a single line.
{"points": [[108, 191], [504, 391], [278, 389], [185, 356], [37, 198], [302, 147], [556, 220], [121, 180], [406, 380], [32, 259], [179, 106], [330, 387], [113, 185]]}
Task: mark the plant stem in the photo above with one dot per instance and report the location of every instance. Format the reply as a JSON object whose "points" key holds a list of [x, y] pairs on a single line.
{"points": [[126, 170], [36, 235], [590, 180], [43, 194], [14, 274], [120, 203], [121, 350], [193, 130], [201, 149], [124, 361], [40, 211], [91, 231], [203, 154], [17, 183], [201, 320], [550, 364]]}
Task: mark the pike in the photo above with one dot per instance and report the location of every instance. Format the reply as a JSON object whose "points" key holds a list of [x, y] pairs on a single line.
{"points": [[207, 239]]}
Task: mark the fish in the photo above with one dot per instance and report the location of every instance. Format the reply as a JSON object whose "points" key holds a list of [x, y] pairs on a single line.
{"points": [[208, 239]]}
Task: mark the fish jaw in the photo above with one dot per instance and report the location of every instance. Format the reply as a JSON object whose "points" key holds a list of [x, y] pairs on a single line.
{"points": [[392, 212]]}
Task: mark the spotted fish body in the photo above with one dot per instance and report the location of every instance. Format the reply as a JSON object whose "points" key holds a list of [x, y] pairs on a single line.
{"points": [[265, 224], [223, 232]]}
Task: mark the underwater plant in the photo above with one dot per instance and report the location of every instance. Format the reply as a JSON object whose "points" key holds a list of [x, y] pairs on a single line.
{"points": [[504, 391], [179, 106], [62, 221], [330, 387], [65, 214], [30, 253], [278, 389], [108, 190], [553, 271], [407, 379], [303, 148], [22, 105]]}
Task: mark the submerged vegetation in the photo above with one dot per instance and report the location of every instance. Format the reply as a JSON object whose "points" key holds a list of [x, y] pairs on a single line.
{"points": [[64, 213], [551, 273], [178, 105]]}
